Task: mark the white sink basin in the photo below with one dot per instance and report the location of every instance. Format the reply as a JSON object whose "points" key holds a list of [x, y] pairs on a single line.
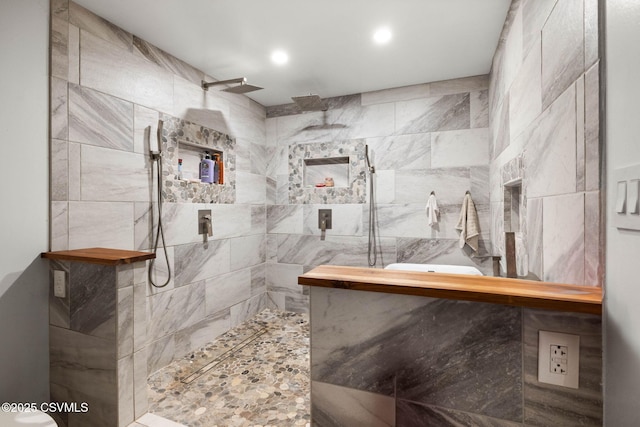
{"points": [[436, 268]]}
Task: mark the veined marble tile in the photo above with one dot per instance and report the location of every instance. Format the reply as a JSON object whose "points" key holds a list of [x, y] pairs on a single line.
{"points": [[363, 122], [480, 184], [74, 54], [525, 96], [593, 259], [443, 251], [225, 290], [247, 123], [591, 33], [125, 321], [562, 49], [550, 156], [547, 404], [404, 93], [335, 250], [59, 226], [59, 109], [250, 188], [592, 128], [160, 270], [139, 317], [59, 170], [89, 21], [167, 61], [114, 70], [93, 299], [513, 56], [60, 9], [400, 152], [296, 303], [580, 137], [460, 148], [172, 311], [283, 278], [449, 185], [247, 251], [447, 112], [83, 363], [160, 353], [277, 300], [499, 131], [99, 119], [243, 156], [534, 16], [471, 337], [535, 234], [479, 109], [249, 308], [282, 189], [59, 45], [349, 329], [75, 171], [202, 332], [100, 224], [125, 390], [384, 189], [285, 219], [258, 279], [259, 158], [140, 400], [346, 219], [410, 414], [462, 85], [258, 219], [335, 406], [271, 131], [195, 262], [114, 175], [563, 237], [145, 124], [272, 191], [306, 127], [272, 248]]}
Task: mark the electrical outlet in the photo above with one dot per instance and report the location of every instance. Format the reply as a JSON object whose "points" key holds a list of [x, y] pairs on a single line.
{"points": [[558, 358], [59, 283]]}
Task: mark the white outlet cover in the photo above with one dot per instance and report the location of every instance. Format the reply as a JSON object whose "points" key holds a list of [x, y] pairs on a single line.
{"points": [[59, 285], [547, 339]]}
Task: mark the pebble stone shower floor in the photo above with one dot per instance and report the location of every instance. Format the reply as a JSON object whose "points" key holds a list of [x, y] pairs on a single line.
{"points": [[255, 375]]}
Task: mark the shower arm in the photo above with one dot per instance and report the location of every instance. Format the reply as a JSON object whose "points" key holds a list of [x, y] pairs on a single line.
{"points": [[241, 80]]}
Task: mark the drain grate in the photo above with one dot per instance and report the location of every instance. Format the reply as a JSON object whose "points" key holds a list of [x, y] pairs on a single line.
{"points": [[223, 356]]}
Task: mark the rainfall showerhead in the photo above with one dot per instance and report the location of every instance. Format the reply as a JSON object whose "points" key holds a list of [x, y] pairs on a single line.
{"points": [[311, 103], [243, 87]]}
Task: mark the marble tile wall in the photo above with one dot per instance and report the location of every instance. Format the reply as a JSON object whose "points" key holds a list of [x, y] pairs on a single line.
{"points": [[422, 138], [414, 361], [108, 90], [544, 108]]}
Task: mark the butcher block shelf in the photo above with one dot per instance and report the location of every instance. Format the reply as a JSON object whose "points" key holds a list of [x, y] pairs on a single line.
{"points": [[497, 290], [104, 256]]}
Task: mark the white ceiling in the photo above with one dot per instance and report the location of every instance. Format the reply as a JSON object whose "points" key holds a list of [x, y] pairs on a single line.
{"points": [[329, 42]]}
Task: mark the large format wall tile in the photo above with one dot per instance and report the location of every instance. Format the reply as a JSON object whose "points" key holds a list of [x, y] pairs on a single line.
{"points": [[87, 20], [199, 261], [226, 290], [93, 300], [534, 15], [99, 119], [562, 49], [100, 224], [563, 238], [460, 148], [410, 414], [525, 96], [401, 152], [448, 112]]}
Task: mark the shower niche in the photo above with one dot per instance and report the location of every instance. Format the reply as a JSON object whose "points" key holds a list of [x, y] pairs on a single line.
{"points": [[188, 141], [327, 172]]}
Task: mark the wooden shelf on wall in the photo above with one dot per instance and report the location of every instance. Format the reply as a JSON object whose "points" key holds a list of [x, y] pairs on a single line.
{"points": [[488, 289], [104, 256]]}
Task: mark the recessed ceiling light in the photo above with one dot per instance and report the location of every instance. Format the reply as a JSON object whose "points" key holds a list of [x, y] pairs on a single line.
{"points": [[382, 35], [279, 57]]}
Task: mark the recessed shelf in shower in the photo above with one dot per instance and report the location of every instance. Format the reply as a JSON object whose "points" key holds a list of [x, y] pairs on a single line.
{"points": [[191, 154], [316, 170]]}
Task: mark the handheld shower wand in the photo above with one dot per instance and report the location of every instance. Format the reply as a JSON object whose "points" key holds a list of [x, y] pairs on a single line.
{"points": [[156, 156], [372, 250]]}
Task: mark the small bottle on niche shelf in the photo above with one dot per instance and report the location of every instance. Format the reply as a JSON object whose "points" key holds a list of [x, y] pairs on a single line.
{"points": [[206, 169]]}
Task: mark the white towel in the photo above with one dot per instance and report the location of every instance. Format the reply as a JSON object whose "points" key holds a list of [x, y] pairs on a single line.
{"points": [[468, 224], [432, 210]]}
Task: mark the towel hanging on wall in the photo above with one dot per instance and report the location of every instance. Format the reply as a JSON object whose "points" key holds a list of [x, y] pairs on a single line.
{"points": [[432, 210], [468, 224]]}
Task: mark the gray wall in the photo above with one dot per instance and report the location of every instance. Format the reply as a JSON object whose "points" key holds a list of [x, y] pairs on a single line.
{"points": [[622, 341], [24, 217]]}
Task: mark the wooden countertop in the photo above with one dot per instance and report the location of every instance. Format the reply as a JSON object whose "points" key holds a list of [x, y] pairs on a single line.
{"points": [[104, 256], [497, 290]]}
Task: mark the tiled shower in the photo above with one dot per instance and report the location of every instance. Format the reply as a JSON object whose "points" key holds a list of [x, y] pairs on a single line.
{"points": [[109, 88]]}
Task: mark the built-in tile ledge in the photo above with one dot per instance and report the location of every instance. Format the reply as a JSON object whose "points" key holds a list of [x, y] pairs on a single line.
{"points": [[498, 290], [104, 256]]}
